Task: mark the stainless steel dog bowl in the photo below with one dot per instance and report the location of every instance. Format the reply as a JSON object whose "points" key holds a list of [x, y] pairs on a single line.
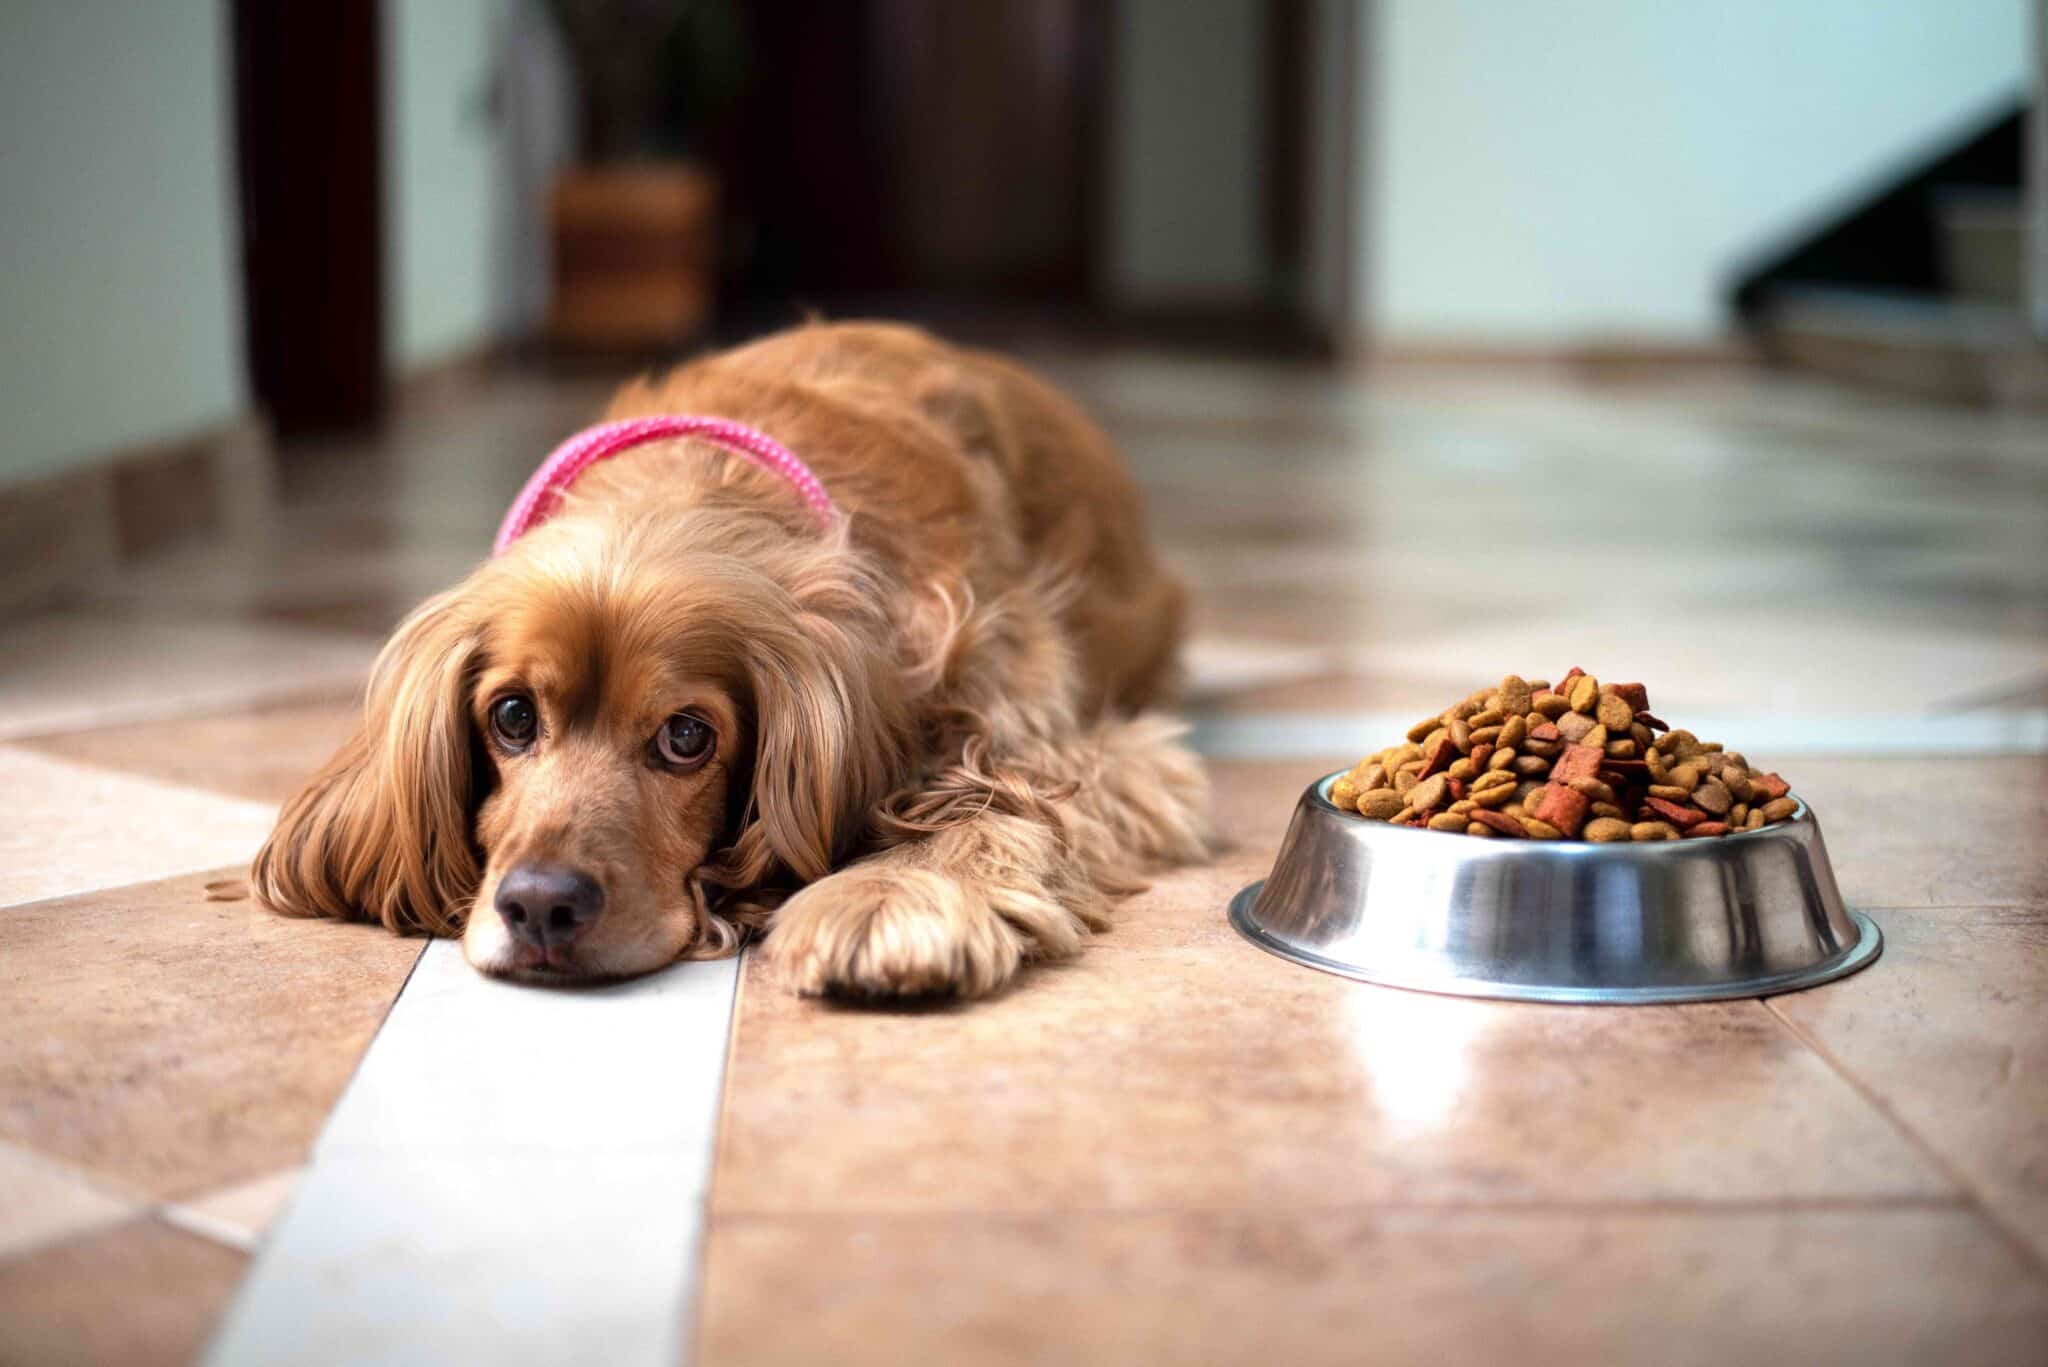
{"points": [[1684, 920]]}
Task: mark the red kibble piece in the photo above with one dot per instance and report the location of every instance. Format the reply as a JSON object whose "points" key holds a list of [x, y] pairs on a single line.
{"points": [[1772, 784], [1655, 723], [1708, 828], [1561, 807], [1457, 788], [1634, 694], [1438, 756], [1500, 821], [1577, 761], [1545, 732], [1685, 818]]}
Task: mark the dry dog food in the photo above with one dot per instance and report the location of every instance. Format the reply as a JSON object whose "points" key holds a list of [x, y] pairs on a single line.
{"points": [[1580, 760]]}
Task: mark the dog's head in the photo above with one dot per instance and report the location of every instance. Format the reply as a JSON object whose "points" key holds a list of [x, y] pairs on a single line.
{"points": [[586, 749]]}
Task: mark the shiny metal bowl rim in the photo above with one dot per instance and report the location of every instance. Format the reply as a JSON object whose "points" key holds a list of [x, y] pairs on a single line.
{"points": [[1869, 940]]}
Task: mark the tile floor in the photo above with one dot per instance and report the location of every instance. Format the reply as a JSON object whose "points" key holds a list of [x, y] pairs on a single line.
{"points": [[1175, 1148]]}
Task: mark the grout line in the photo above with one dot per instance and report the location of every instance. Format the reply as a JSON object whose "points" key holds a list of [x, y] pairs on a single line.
{"points": [[2027, 1253], [693, 1309], [209, 1227], [1799, 1205]]}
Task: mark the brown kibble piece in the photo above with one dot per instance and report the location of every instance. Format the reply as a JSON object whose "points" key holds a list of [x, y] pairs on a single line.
{"points": [[1613, 713], [1575, 727], [1653, 830], [1344, 795], [1592, 788], [1515, 695], [1778, 808], [1381, 804], [1428, 794], [1585, 694], [1606, 829], [1447, 821], [1713, 797]]}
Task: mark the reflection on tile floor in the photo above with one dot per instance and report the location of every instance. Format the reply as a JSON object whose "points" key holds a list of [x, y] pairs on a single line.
{"points": [[1388, 1285], [1177, 1147]]}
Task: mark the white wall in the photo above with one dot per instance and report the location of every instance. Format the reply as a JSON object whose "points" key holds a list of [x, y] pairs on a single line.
{"points": [[443, 164], [120, 303], [1186, 158], [1580, 170]]}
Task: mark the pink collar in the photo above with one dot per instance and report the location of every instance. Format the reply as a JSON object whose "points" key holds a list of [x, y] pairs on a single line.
{"points": [[543, 493]]}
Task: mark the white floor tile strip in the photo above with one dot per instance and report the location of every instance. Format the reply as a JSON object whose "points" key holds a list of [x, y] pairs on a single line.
{"points": [[515, 1175], [1305, 735]]}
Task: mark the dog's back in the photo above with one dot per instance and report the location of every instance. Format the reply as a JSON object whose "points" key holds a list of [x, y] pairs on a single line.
{"points": [[958, 463]]}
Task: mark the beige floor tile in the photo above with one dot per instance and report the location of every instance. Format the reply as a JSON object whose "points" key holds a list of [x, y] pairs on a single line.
{"points": [[1863, 1287], [238, 1216], [42, 1201], [140, 1293], [1930, 832], [1174, 1065], [72, 828], [264, 755], [1949, 1032], [170, 1045], [69, 671]]}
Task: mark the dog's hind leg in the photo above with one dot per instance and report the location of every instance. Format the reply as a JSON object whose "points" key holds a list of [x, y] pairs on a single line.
{"points": [[1002, 859]]}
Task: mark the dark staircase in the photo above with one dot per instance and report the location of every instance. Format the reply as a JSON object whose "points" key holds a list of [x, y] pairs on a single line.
{"points": [[1917, 289]]}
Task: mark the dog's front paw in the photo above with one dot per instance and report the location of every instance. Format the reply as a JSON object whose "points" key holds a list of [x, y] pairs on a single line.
{"points": [[888, 932]]}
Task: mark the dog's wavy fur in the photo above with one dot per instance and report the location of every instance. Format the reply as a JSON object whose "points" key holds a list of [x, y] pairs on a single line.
{"points": [[938, 768]]}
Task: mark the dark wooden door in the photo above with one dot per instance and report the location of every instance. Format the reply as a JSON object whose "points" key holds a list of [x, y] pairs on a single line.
{"points": [[306, 126], [920, 145]]}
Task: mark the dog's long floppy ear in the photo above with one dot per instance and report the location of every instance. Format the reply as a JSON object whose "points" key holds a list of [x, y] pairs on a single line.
{"points": [[383, 832], [830, 742]]}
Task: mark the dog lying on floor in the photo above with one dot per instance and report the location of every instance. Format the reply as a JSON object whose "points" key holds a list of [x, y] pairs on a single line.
{"points": [[846, 642]]}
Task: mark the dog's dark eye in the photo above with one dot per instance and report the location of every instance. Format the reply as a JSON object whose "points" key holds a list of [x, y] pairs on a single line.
{"points": [[514, 721], [685, 741]]}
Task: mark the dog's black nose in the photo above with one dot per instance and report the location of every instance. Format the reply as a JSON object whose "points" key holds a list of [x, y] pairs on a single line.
{"points": [[546, 904]]}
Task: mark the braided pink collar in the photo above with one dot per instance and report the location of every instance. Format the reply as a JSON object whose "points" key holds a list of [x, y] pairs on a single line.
{"points": [[543, 493]]}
